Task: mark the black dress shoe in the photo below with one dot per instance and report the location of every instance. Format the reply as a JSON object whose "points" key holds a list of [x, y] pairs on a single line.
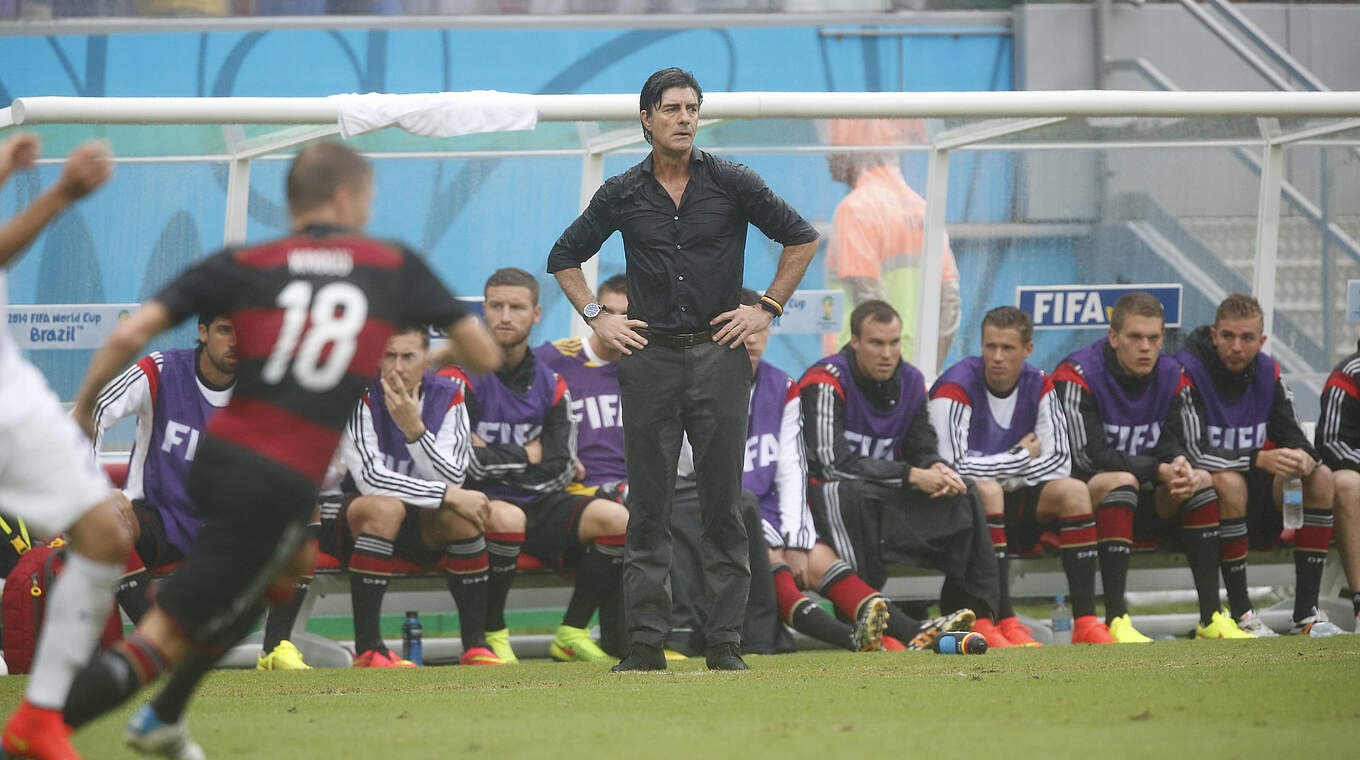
{"points": [[641, 657], [725, 657]]}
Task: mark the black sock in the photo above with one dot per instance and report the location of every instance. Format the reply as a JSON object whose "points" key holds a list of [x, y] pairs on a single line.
{"points": [[902, 626], [996, 527], [132, 594], [173, 698], [503, 554], [370, 565], [1310, 557], [279, 621], [1114, 532], [953, 597], [1232, 556], [1078, 536], [465, 566], [809, 619], [1199, 538], [597, 575], [1355, 603], [110, 677]]}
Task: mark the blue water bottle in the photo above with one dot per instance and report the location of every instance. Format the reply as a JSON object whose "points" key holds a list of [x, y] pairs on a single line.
{"points": [[410, 639]]}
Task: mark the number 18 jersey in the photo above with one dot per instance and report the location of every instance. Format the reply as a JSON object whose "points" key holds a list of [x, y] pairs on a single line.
{"points": [[313, 312]]}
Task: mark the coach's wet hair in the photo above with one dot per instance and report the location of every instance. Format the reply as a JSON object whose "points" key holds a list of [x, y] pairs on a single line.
{"points": [[321, 168], [878, 311], [513, 277], [1010, 318], [1137, 303], [657, 84]]}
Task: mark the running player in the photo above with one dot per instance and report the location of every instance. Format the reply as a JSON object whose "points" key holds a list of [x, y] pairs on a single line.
{"points": [[407, 448], [523, 442], [1002, 428], [1116, 396], [50, 480], [1232, 402], [312, 311]]}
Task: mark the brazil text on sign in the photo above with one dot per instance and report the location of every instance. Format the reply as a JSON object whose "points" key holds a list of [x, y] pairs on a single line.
{"points": [[1068, 306], [64, 326]]}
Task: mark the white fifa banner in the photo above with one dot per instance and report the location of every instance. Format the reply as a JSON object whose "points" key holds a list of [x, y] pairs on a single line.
{"points": [[64, 326], [811, 311]]}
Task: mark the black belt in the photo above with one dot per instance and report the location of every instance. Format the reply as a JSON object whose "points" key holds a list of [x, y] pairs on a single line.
{"points": [[677, 340]]}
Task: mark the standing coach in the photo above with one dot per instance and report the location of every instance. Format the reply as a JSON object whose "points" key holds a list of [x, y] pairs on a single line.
{"points": [[683, 214]]}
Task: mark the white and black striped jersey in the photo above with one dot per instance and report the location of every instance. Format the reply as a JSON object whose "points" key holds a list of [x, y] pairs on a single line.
{"points": [[1338, 428]]}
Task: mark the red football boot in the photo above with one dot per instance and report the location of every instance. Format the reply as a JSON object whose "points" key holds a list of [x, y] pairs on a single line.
{"points": [[38, 733]]}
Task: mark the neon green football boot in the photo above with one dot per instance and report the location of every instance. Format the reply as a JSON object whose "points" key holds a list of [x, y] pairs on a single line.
{"points": [[499, 642], [575, 645]]}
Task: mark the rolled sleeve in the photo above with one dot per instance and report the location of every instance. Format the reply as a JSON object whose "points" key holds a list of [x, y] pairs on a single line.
{"points": [[583, 238]]}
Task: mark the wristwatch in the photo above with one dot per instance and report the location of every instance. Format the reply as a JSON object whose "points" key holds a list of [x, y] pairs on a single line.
{"points": [[591, 311]]}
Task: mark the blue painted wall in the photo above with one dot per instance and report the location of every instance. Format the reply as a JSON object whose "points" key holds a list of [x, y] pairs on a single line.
{"points": [[470, 217]]}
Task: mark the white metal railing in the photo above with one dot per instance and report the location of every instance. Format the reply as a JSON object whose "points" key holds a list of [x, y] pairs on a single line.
{"points": [[1014, 112]]}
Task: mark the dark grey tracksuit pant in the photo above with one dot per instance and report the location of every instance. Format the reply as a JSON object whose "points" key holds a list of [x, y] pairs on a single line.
{"points": [[701, 391]]}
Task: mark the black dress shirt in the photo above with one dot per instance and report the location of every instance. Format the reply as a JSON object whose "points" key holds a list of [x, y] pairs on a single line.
{"points": [[684, 264]]}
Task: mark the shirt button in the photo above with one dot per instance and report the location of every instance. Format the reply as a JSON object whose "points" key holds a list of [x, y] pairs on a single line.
{"points": [[681, 277], [677, 245], [682, 308], [677, 218]]}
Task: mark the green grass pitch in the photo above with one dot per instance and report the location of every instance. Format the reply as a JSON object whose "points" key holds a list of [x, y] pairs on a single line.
{"points": [[1274, 698]]}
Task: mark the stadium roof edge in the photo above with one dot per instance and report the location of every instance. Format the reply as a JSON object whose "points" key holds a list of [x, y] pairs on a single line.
{"points": [[727, 105]]}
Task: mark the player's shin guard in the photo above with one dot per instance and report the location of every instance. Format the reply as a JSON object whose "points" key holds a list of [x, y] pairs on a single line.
{"points": [[1114, 536], [846, 590], [599, 573], [1078, 537], [133, 588], [370, 566], [111, 677], [1310, 555], [503, 553], [78, 606], [465, 566], [1232, 560], [996, 528], [1199, 538], [803, 615]]}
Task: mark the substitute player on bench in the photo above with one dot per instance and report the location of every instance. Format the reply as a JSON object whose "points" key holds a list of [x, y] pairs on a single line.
{"points": [[1116, 396], [1001, 426], [1338, 438], [173, 394], [523, 451], [879, 489], [407, 448], [312, 311], [1232, 402]]}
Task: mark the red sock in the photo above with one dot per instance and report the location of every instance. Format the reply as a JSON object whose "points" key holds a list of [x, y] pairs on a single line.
{"points": [[786, 592], [848, 593]]}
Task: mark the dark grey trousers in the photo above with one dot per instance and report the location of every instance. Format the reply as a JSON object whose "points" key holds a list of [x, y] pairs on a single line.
{"points": [[701, 391]]}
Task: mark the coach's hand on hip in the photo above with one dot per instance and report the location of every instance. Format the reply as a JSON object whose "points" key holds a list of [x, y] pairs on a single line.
{"points": [[741, 321], [619, 332]]}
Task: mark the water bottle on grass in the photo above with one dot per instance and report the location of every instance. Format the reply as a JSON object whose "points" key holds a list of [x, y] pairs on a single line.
{"points": [[411, 632], [1062, 620]]}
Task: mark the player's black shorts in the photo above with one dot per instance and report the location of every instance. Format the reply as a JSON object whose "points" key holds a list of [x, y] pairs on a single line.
{"points": [[255, 512], [552, 526], [337, 539], [1022, 518], [153, 546]]}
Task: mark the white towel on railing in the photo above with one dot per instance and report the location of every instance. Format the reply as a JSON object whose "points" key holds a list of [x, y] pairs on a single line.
{"points": [[437, 114]]}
